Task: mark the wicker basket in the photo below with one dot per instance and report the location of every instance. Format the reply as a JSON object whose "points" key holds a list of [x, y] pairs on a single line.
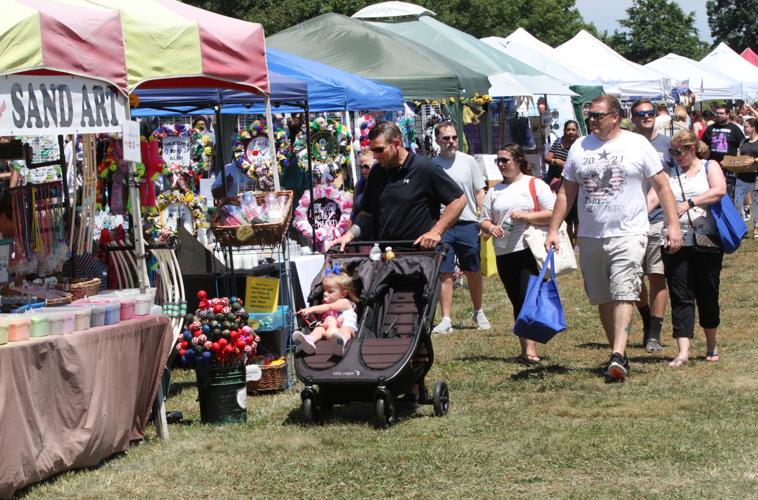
{"points": [[252, 234], [52, 297], [273, 378], [81, 287], [739, 164]]}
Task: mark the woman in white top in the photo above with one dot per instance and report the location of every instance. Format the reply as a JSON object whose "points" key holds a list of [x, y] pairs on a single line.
{"points": [[507, 210], [693, 276]]}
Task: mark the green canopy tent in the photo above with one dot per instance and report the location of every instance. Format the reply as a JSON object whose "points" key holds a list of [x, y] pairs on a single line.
{"points": [[357, 47], [476, 55]]}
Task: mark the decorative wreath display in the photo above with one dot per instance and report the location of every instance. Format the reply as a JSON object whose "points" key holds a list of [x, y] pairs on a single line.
{"points": [[331, 214], [252, 153], [193, 206], [176, 139], [330, 147], [364, 124]]}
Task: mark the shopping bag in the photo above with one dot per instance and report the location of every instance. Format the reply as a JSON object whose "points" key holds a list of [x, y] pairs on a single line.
{"points": [[487, 257], [565, 260], [729, 222], [541, 316]]}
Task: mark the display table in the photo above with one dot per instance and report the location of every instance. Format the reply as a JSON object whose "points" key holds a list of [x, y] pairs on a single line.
{"points": [[70, 401]]}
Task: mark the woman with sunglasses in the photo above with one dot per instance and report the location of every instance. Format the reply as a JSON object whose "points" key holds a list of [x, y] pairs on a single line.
{"points": [[507, 210], [692, 274]]}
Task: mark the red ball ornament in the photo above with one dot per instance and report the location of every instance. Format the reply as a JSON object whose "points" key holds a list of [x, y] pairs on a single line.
{"points": [[215, 346], [218, 308], [222, 342], [228, 349], [203, 304], [240, 344], [182, 352], [202, 295], [184, 344]]}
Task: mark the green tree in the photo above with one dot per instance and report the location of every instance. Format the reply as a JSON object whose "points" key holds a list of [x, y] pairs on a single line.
{"points": [[552, 21], [653, 28], [733, 22]]}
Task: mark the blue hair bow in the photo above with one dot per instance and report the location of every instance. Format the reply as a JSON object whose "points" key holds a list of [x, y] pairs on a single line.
{"points": [[334, 269]]}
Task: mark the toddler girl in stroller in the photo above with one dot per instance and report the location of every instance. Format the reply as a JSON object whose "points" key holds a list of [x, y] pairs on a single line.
{"points": [[335, 318]]}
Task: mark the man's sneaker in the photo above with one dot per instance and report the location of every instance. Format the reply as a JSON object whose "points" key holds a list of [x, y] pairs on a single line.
{"points": [[482, 323], [618, 366], [304, 342], [444, 326]]}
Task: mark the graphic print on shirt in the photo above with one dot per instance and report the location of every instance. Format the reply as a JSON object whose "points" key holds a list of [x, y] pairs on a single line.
{"points": [[603, 178], [719, 143]]}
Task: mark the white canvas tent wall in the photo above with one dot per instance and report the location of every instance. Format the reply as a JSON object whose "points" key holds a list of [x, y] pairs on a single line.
{"points": [[705, 84], [602, 65], [729, 63], [523, 46]]}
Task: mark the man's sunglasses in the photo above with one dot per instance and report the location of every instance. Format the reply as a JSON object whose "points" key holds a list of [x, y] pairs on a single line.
{"points": [[592, 115], [449, 138], [378, 150], [642, 114]]}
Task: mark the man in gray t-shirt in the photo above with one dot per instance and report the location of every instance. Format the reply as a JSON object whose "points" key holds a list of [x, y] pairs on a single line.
{"points": [[652, 305], [463, 238]]}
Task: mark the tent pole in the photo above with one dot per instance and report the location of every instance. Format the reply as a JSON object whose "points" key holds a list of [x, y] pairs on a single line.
{"points": [[139, 238], [310, 174], [353, 168], [272, 143], [220, 169]]}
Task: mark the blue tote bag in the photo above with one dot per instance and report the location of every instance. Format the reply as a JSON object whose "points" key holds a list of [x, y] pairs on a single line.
{"points": [[729, 222], [541, 316]]}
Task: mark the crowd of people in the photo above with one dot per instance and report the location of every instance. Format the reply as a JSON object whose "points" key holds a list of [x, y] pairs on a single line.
{"points": [[635, 198]]}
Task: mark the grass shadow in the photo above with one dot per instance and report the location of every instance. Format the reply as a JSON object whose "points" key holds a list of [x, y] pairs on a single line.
{"points": [[593, 345], [177, 388], [484, 357], [539, 371], [352, 413]]}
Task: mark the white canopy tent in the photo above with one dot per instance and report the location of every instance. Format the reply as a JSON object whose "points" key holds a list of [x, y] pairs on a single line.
{"points": [[731, 64], [391, 9], [705, 84], [523, 46], [600, 64]]}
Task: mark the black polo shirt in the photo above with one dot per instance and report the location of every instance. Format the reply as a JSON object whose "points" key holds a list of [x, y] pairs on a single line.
{"points": [[405, 202]]}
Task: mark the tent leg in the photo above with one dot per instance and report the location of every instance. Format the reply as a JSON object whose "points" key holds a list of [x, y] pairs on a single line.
{"points": [[353, 168], [272, 144]]}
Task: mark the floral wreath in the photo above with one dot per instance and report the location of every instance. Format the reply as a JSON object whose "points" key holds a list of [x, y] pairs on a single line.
{"points": [[201, 149], [261, 170], [324, 233], [326, 163], [196, 204]]}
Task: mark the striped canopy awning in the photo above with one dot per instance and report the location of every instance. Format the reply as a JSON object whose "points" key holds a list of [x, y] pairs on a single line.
{"points": [[132, 43]]}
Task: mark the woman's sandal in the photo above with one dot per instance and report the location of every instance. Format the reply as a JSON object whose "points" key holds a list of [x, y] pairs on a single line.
{"points": [[712, 357], [677, 362], [529, 359]]}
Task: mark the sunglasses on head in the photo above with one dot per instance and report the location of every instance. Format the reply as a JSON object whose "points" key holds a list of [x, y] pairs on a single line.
{"points": [[593, 115], [642, 114], [502, 159], [449, 138]]}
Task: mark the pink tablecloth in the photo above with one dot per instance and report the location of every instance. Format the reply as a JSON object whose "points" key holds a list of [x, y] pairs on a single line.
{"points": [[70, 401]]}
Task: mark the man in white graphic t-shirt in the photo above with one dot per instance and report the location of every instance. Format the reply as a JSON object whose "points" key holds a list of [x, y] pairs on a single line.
{"points": [[608, 170]]}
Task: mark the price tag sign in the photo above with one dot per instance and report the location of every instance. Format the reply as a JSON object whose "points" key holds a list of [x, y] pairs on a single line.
{"points": [[261, 294], [130, 135], [253, 373]]}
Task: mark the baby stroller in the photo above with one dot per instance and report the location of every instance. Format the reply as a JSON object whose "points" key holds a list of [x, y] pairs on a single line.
{"points": [[392, 350]]}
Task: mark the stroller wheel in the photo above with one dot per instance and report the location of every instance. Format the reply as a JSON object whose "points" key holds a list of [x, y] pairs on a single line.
{"points": [[441, 399], [310, 408], [385, 413]]}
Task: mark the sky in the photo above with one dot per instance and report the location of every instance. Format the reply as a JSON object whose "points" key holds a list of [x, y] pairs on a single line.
{"points": [[605, 14]]}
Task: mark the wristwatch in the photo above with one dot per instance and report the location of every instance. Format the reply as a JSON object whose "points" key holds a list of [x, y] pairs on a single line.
{"points": [[691, 203]]}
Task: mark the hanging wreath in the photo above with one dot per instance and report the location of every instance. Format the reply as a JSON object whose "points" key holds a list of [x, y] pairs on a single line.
{"points": [[186, 152], [330, 147], [171, 204], [252, 153], [331, 214], [365, 123]]}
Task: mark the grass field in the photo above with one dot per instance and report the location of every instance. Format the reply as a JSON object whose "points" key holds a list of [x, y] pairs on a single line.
{"points": [[556, 429]]}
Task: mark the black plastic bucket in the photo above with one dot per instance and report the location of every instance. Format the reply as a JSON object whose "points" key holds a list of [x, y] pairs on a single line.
{"points": [[222, 394]]}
